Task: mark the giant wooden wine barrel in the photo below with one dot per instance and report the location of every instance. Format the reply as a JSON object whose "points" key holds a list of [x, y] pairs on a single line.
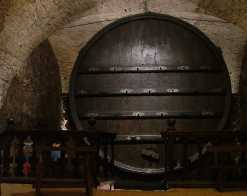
{"points": [[139, 72]]}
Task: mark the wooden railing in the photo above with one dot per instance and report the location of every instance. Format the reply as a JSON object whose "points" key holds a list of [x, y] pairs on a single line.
{"points": [[51, 158], [219, 160], [71, 158]]}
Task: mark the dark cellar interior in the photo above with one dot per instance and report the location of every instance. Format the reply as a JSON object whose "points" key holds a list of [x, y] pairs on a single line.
{"points": [[152, 98]]}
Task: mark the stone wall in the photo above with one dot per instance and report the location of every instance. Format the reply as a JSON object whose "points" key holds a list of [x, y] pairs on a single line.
{"points": [[24, 25], [4, 8], [33, 99], [234, 11]]}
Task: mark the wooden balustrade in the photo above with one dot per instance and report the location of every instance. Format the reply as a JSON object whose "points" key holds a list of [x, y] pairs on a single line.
{"points": [[50, 158], [220, 160], [74, 158]]}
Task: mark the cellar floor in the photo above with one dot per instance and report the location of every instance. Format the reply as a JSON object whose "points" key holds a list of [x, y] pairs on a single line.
{"points": [[26, 190]]}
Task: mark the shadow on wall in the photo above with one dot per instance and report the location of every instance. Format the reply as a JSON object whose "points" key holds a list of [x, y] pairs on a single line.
{"points": [[33, 99]]}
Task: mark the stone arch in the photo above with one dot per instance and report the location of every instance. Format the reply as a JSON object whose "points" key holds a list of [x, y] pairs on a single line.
{"points": [[25, 25], [33, 97]]}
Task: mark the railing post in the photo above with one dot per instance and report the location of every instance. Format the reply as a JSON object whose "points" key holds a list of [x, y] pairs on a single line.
{"points": [[89, 179], [39, 170], [106, 169], [112, 155], [166, 159]]}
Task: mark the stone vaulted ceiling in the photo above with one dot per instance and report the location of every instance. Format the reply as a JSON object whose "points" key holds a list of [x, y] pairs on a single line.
{"points": [[24, 24]]}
